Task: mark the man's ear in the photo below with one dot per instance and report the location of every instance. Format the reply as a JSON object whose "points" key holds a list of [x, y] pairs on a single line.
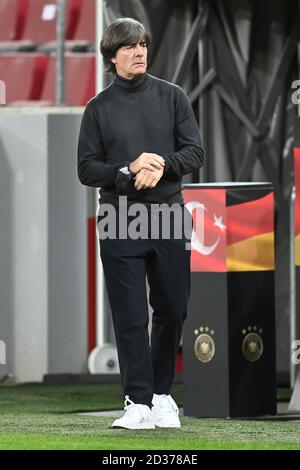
{"points": [[113, 60]]}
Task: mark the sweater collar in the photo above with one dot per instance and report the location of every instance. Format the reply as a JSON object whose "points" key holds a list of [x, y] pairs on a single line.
{"points": [[133, 84]]}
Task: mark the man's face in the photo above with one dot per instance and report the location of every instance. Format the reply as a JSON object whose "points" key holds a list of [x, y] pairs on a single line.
{"points": [[131, 60]]}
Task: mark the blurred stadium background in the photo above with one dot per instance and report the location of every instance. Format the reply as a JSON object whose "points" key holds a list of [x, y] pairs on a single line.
{"points": [[237, 60]]}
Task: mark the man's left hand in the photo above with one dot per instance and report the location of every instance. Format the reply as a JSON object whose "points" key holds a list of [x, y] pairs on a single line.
{"points": [[147, 178]]}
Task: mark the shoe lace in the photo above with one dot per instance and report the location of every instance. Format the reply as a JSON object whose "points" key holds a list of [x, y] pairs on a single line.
{"points": [[133, 408], [128, 403]]}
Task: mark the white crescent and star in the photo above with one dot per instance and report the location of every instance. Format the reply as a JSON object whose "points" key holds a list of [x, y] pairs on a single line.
{"points": [[218, 222], [197, 244]]}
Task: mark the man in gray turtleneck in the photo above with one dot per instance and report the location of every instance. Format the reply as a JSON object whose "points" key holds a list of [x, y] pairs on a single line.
{"points": [[138, 137]]}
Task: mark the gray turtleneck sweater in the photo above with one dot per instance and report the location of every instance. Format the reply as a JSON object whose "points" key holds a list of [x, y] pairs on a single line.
{"points": [[129, 117]]}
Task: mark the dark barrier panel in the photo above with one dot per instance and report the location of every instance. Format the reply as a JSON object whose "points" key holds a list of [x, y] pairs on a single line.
{"points": [[297, 222], [229, 336], [295, 350]]}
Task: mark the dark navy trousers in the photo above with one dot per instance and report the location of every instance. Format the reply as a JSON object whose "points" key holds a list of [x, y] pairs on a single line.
{"points": [[148, 368]]}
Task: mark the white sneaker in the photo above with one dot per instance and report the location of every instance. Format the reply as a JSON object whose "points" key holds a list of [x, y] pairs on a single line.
{"points": [[136, 417], [165, 410]]}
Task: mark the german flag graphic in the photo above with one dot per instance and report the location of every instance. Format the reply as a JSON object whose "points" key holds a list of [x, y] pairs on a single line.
{"points": [[297, 204], [250, 232]]}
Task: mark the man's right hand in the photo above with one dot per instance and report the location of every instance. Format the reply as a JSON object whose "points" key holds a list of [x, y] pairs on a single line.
{"points": [[149, 161]]}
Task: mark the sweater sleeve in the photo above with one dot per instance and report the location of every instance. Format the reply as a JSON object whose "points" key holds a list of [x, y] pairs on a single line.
{"points": [[189, 152], [91, 167]]}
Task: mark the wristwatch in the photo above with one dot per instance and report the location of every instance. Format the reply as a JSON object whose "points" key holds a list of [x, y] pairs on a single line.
{"points": [[125, 170]]}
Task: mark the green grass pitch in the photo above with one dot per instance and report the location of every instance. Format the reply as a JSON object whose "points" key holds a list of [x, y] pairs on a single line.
{"points": [[38, 416]]}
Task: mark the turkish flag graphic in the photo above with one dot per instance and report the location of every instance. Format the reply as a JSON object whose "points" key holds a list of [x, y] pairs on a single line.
{"points": [[208, 243]]}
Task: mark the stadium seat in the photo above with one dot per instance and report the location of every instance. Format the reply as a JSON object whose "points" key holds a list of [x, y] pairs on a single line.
{"points": [[80, 70], [40, 24], [12, 18], [85, 33], [85, 30], [23, 75]]}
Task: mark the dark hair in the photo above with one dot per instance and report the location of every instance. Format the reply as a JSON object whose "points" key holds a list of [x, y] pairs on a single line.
{"points": [[122, 32]]}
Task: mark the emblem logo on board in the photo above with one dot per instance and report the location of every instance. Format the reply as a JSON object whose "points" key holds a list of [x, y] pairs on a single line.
{"points": [[252, 345], [204, 346]]}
